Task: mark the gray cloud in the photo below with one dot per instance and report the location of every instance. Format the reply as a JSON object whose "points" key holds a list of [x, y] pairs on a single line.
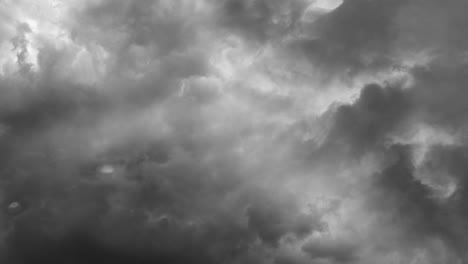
{"points": [[262, 20], [356, 36], [216, 132], [366, 123]]}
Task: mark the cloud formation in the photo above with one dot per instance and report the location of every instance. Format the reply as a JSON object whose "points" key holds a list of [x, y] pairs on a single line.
{"points": [[234, 131]]}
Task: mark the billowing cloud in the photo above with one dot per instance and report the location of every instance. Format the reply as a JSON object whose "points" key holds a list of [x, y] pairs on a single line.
{"points": [[234, 131]]}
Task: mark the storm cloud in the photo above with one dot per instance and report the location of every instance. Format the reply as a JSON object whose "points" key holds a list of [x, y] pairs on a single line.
{"points": [[233, 131]]}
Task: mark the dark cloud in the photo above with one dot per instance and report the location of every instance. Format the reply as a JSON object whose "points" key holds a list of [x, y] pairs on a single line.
{"points": [[366, 123], [329, 250], [271, 222], [452, 160], [374, 35], [262, 20], [157, 132], [51, 106], [407, 203], [160, 206], [439, 93], [414, 205], [434, 25], [356, 36]]}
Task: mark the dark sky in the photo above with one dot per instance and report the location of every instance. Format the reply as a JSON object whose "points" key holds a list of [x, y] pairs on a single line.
{"points": [[233, 131]]}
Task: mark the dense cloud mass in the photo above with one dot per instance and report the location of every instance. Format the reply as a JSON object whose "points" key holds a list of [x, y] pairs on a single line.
{"points": [[233, 131]]}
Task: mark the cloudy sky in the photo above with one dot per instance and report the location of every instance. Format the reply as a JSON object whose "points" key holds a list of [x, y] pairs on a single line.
{"points": [[233, 131]]}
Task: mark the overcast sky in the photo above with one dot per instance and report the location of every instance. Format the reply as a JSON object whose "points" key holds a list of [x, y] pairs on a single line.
{"points": [[233, 131]]}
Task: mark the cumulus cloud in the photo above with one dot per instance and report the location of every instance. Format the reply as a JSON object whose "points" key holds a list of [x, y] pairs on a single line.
{"points": [[234, 131]]}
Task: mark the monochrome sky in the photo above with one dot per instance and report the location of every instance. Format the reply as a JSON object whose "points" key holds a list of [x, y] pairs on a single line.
{"points": [[233, 131]]}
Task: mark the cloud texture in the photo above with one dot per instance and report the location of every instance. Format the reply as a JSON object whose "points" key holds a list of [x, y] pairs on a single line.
{"points": [[233, 131]]}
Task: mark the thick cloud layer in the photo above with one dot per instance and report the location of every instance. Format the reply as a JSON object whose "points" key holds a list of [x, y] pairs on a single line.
{"points": [[234, 131]]}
